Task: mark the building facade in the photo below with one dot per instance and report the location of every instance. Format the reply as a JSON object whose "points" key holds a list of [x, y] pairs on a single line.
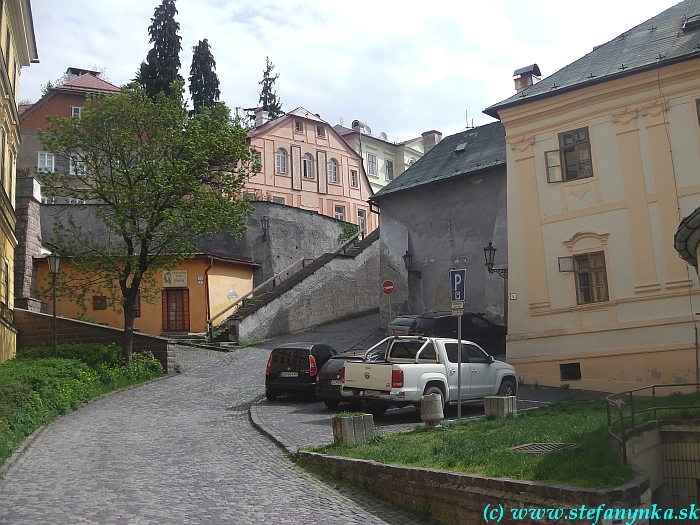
{"points": [[18, 46], [602, 164], [384, 160], [305, 163]]}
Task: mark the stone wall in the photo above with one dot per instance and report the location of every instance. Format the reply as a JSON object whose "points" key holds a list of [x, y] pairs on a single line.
{"points": [[344, 287], [35, 329], [456, 498], [28, 230]]}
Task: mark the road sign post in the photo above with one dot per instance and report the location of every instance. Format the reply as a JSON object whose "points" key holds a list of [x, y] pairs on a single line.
{"points": [[388, 289], [457, 280]]}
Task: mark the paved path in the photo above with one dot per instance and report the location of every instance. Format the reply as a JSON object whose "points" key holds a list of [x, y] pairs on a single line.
{"points": [[180, 450]]}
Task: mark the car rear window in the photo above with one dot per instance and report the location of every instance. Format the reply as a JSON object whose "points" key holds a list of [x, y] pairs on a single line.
{"points": [[296, 358], [409, 349], [424, 326], [402, 321]]}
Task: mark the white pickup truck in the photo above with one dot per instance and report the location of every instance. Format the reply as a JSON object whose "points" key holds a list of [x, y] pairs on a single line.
{"points": [[415, 366]]}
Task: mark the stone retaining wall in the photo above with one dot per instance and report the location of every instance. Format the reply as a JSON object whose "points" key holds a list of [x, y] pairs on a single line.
{"points": [[455, 498], [36, 329]]}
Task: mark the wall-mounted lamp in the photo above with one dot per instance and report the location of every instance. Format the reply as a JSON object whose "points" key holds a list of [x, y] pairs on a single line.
{"points": [[408, 262], [265, 223], [490, 255], [54, 261]]}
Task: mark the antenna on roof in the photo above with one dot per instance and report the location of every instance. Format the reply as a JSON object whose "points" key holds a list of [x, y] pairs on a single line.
{"points": [[466, 116], [341, 121]]}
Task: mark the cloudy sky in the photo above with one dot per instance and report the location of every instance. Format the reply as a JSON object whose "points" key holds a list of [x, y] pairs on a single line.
{"points": [[403, 67]]}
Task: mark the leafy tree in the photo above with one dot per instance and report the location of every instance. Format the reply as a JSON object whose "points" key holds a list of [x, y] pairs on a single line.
{"points": [[204, 83], [268, 98], [162, 65], [159, 178]]}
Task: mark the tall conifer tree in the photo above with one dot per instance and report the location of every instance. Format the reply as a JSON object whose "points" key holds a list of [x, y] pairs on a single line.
{"points": [[204, 83], [268, 97], [162, 65]]}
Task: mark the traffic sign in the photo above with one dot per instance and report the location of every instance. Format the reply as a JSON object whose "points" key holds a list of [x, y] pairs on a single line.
{"points": [[457, 312], [388, 287], [457, 280]]}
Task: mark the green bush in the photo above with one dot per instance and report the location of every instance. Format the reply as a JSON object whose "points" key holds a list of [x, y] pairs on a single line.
{"points": [[35, 388]]}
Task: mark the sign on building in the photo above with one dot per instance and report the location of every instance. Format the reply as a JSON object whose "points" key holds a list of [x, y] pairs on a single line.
{"points": [[175, 279]]}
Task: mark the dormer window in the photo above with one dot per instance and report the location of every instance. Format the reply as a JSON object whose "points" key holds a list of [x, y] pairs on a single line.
{"points": [[298, 126], [320, 131]]}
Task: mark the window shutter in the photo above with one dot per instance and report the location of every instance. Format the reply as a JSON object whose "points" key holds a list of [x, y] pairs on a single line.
{"points": [[553, 165], [186, 309], [566, 264]]}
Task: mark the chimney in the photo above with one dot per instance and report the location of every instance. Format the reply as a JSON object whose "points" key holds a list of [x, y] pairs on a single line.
{"points": [[261, 116], [430, 139], [526, 77]]}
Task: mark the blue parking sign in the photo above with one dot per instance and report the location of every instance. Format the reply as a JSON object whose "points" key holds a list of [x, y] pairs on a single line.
{"points": [[457, 280]]}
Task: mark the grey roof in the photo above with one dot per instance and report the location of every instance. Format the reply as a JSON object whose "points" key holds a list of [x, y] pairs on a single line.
{"points": [[480, 148], [659, 41]]}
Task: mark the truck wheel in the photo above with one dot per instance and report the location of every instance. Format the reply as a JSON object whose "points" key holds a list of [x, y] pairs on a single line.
{"points": [[331, 404], [271, 395], [507, 388], [434, 390]]}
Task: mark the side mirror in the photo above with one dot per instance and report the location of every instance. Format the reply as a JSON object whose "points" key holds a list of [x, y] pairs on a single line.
{"points": [[490, 359]]}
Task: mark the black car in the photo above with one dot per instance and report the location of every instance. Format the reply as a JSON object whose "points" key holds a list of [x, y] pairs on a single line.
{"points": [[328, 379], [489, 336], [292, 368]]}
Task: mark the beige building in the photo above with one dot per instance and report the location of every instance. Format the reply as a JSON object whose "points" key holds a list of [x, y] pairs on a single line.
{"points": [[602, 164], [18, 47]]}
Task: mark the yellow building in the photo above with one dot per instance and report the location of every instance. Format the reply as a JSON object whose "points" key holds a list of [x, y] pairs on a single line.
{"points": [[602, 164], [18, 47], [191, 294]]}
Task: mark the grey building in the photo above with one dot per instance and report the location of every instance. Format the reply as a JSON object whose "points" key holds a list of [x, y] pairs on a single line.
{"points": [[442, 212]]}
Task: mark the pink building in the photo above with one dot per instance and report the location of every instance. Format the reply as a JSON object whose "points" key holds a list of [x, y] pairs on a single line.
{"points": [[306, 164]]}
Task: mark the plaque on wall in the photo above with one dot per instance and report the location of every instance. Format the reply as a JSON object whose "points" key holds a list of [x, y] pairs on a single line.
{"points": [[322, 172], [296, 168], [175, 279]]}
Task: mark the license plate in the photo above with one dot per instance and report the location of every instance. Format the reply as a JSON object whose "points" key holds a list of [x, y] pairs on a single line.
{"points": [[395, 331], [335, 382], [370, 393], [289, 374]]}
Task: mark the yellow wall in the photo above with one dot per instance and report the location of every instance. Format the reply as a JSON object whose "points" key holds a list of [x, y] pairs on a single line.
{"points": [[226, 285], [644, 150], [223, 274]]}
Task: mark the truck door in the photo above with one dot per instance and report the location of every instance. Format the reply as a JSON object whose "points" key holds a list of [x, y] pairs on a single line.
{"points": [[483, 374], [451, 350]]}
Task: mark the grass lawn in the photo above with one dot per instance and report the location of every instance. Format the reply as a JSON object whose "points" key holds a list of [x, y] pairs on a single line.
{"points": [[480, 446]]}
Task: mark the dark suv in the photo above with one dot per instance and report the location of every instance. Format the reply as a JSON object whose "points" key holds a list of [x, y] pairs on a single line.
{"points": [[489, 336], [292, 368]]}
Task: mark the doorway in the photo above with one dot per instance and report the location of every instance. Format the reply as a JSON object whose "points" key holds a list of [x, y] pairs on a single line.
{"points": [[176, 310]]}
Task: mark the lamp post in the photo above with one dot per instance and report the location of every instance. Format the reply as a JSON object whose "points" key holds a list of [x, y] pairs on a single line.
{"points": [[490, 256], [54, 261], [408, 262], [265, 223]]}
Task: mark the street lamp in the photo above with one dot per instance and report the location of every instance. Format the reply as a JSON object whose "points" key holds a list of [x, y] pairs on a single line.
{"points": [[265, 223], [54, 261], [408, 262], [490, 255]]}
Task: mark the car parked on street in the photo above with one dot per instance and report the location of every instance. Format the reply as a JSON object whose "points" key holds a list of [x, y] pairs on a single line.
{"points": [[475, 328], [401, 325], [328, 379], [292, 368]]}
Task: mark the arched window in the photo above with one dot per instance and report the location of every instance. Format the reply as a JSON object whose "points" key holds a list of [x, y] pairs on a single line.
{"points": [[332, 171], [308, 167], [281, 161]]}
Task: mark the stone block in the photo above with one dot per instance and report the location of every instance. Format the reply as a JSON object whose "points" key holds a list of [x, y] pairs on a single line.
{"points": [[353, 430], [500, 406]]}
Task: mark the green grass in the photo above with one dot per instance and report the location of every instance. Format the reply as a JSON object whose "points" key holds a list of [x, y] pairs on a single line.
{"points": [[35, 387], [481, 446]]}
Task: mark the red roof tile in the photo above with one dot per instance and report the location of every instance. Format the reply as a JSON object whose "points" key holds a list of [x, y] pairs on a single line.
{"points": [[88, 84]]}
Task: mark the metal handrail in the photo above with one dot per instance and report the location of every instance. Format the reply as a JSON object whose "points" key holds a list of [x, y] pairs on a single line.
{"points": [[612, 402]]}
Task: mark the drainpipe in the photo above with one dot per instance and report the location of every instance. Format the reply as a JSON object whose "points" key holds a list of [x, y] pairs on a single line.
{"points": [[206, 295]]}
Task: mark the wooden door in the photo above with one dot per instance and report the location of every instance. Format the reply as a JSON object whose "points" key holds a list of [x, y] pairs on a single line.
{"points": [[176, 310]]}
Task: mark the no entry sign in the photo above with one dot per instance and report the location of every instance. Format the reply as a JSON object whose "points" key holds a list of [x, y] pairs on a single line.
{"points": [[388, 287]]}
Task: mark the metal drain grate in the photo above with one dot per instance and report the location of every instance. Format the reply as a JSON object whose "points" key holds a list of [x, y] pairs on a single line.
{"points": [[542, 448]]}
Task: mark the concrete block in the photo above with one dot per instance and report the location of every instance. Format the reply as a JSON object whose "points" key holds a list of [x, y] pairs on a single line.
{"points": [[500, 406], [353, 430]]}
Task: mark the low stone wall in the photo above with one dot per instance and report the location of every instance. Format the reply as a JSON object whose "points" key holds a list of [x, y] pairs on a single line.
{"points": [[455, 498], [36, 329]]}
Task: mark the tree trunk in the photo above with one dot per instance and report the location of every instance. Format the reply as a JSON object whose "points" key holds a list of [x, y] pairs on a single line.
{"points": [[128, 339]]}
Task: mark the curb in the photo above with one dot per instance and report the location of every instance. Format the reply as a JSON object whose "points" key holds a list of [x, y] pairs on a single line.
{"points": [[257, 422]]}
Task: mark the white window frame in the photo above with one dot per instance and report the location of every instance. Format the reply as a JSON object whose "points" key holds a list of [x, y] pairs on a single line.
{"points": [[320, 131], [339, 212], [279, 200], [76, 167], [298, 126], [371, 164], [362, 220], [333, 171], [389, 169], [45, 165], [308, 164], [76, 111], [353, 178], [281, 160]]}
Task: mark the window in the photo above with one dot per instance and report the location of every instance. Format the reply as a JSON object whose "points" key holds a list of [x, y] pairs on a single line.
{"points": [[362, 220], [572, 160], [279, 200], [320, 131], [99, 302], [339, 212], [570, 371], [298, 126], [353, 178], [281, 161], [308, 167], [255, 159], [76, 111], [591, 281], [45, 161], [389, 167], [332, 171], [76, 167], [371, 164]]}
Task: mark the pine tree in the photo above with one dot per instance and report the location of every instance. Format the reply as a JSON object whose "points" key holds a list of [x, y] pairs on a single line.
{"points": [[204, 83], [162, 64], [268, 98]]}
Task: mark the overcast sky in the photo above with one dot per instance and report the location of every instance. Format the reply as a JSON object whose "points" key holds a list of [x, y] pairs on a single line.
{"points": [[403, 67]]}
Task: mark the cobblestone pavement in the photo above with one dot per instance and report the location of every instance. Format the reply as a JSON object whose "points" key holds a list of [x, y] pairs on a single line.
{"points": [[179, 451]]}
